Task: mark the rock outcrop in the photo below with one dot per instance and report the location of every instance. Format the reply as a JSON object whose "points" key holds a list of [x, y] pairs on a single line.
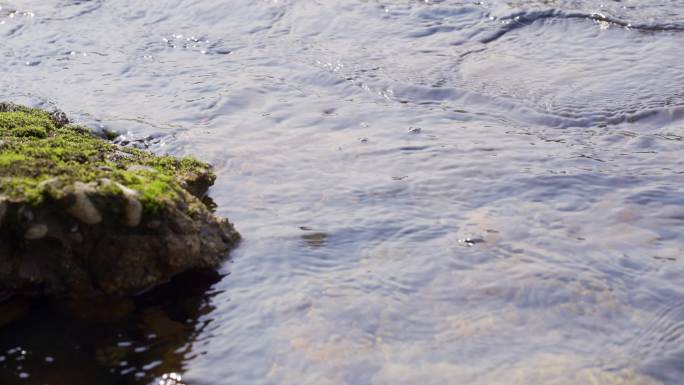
{"points": [[80, 216]]}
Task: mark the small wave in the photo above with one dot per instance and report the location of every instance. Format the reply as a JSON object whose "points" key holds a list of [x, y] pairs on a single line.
{"points": [[658, 346], [74, 9], [524, 18], [560, 71]]}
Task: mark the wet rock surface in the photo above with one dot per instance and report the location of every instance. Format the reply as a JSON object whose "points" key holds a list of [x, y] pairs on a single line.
{"points": [[81, 217]]}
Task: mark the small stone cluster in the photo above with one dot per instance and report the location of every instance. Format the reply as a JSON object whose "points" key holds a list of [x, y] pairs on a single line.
{"points": [[80, 216]]}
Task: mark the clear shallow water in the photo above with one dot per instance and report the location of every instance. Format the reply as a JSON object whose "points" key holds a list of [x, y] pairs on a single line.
{"points": [[434, 192]]}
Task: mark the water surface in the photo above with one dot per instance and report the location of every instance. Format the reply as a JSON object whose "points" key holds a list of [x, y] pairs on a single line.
{"points": [[430, 191]]}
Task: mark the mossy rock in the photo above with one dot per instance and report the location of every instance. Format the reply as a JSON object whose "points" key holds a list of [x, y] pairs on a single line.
{"points": [[81, 216]]}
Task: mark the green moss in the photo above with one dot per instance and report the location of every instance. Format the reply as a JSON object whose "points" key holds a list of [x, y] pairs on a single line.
{"points": [[36, 149], [26, 124], [24, 188], [156, 189], [9, 158]]}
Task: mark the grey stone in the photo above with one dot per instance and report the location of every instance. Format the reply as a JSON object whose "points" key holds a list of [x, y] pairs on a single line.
{"points": [[83, 209]]}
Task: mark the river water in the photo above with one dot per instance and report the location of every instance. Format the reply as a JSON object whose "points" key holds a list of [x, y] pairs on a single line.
{"points": [[430, 192]]}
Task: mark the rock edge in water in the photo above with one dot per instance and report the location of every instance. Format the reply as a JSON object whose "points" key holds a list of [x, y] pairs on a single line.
{"points": [[80, 216]]}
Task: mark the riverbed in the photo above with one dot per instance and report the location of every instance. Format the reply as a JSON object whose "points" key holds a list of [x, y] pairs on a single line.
{"points": [[433, 192]]}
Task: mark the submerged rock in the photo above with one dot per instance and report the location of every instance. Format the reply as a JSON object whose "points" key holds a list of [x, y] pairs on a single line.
{"points": [[80, 216]]}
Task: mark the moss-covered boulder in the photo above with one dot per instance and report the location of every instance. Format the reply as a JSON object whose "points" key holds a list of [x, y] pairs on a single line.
{"points": [[80, 216]]}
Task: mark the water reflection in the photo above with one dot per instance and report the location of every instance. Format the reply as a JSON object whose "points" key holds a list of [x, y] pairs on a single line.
{"points": [[492, 190], [106, 341]]}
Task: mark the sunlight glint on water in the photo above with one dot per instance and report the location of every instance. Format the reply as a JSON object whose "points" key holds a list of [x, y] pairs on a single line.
{"points": [[430, 192]]}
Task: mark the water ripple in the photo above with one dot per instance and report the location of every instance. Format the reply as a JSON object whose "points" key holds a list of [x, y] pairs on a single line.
{"points": [[429, 192]]}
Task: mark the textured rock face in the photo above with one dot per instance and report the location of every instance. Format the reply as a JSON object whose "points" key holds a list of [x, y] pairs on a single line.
{"points": [[80, 216]]}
